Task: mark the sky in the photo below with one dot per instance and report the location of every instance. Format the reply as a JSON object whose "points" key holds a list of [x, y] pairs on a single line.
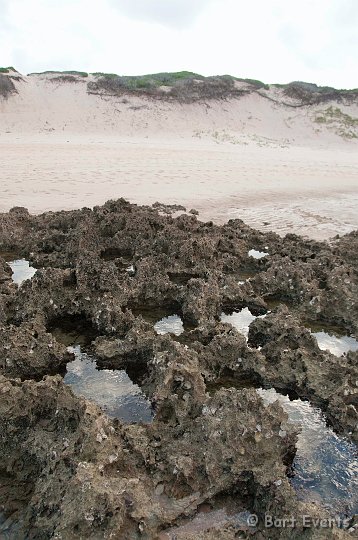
{"points": [[276, 41]]}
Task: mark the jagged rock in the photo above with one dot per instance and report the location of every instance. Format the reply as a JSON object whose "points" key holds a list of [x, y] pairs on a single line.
{"points": [[72, 472], [68, 471]]}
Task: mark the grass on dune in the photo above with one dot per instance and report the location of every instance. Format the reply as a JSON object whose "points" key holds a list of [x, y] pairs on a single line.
{"points": [[7, 69]]}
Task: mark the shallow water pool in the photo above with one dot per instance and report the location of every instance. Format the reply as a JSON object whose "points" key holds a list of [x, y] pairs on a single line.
{"points": [[326, 465], [337, 345], [240, 320], [172, 324], [112, 390], [21, 270], [203, 521], [331, 338], [258, 254]]}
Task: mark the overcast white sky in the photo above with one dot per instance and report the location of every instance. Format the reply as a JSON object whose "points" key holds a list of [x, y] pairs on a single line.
{"points": [[271, 40]]}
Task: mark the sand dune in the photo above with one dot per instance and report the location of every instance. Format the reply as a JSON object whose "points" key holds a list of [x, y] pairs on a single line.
{"points": [[257, 157]]}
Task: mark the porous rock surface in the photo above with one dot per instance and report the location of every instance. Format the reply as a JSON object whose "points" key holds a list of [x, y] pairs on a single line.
{"points": [[67, 470]]}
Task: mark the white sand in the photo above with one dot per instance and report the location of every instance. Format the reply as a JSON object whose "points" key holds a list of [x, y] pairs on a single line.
{"points": [[268, 164]]}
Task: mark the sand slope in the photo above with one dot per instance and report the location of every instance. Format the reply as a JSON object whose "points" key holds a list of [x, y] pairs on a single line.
{"points": [[257, 157]]}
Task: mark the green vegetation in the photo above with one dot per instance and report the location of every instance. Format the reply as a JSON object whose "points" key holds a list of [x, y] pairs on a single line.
{"points": [[182, 86], [79, 73], [310, 87], [254, 82], [170, 79], [6, 69], [176, 82], [334, 113], [140, 82], [106, 75], [343, 124]]}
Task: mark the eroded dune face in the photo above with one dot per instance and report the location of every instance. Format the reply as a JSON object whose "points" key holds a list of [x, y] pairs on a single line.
{"points": [[104, 276], [220, 108], [282, 158]]}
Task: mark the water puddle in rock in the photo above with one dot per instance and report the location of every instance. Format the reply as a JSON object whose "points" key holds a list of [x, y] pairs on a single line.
{"points": [[332, 338], [113, 390], [325, 466], [336, 345], [170, 325], [258, 254], [203, 521], [240, 320], [164, 320], [22, 270]]}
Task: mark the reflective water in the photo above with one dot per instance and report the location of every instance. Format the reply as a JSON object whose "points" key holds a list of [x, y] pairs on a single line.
{"points": [[331, 338], [11, 529], [334, 344], [325, 466], [258, 254], [113, 391], [169, 325], [203, 521], [241, 320], [21, 270]]}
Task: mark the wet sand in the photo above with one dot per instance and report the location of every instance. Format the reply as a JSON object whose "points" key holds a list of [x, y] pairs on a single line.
{"points": [[309, 191]]}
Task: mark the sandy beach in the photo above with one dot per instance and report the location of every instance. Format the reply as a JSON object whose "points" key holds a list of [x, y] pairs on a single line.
{"points": [[268, 164]]}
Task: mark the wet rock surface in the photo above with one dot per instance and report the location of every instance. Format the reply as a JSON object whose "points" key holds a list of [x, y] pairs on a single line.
{"points": [[70, 471]]}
